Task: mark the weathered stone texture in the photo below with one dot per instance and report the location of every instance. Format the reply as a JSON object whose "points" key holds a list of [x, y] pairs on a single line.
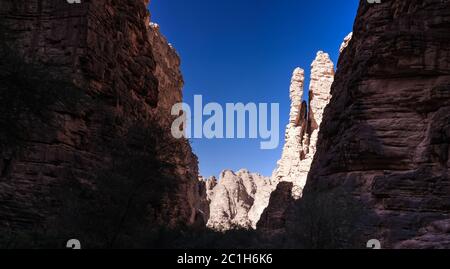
{"points": [[109, 52], [385, 135], [301, 138], [234, 201]]}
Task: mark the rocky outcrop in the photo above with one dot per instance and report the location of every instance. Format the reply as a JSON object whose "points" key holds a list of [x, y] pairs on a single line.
{"points": [[86, 94], [305, 118], [273, 218], [385, 138], [210, 184], [235, 200], [301, 138]]}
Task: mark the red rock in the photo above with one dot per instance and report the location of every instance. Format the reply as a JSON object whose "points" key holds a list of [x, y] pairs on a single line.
{"points": [[385, 135], [124, 77]]}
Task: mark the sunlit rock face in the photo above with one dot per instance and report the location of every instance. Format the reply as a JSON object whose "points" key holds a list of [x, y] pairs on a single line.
{"points": [[304, 123], [240, 199], [235, 200], [385, 135], [115, 78], [290, 168], [345, 43], [301, 138]]}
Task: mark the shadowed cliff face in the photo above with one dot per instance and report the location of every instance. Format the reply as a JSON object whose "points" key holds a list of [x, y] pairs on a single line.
{"points": [[385, 135], [86, 92]]}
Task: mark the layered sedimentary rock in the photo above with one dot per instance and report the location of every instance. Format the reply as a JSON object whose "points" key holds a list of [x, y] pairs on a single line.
{"points": [[177, 153], [385, 137], [86, 96], [234, 201], [210, 184]]}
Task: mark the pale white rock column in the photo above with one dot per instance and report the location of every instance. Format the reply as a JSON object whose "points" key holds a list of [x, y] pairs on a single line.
{"points": [[302, 132], [288, 169], [322, 77]]}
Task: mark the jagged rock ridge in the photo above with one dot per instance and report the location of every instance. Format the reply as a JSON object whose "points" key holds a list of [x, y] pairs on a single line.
{"points": [[235, 200]]}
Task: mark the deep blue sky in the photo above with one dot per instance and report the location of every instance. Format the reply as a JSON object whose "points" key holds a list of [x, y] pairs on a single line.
{"points": [[245, 51]]}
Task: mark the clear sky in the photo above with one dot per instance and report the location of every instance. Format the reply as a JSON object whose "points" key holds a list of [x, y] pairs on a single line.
{"points": [[245, 51]]}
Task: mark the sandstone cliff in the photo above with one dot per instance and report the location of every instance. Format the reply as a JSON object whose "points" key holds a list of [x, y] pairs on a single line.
{"points": [[86, 92], [384, 141], [305, 118]]}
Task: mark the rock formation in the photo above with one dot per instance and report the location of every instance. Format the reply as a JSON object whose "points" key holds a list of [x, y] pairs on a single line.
{"points": [[385, 136], [240, 199], [235, 201], [210, 184], [85, 98], [302, 130], [301, 138]]}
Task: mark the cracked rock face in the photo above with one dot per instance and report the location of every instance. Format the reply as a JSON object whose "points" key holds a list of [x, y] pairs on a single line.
{"points": [[126, 78], [235, 200], [385, 134], [305, 119], [301, 138]]}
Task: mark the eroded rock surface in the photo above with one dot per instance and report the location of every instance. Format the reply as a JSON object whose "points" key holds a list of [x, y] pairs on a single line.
{"points": [[234, 201], [86, 96], [303, 128], [385, 135], [301, 138]]}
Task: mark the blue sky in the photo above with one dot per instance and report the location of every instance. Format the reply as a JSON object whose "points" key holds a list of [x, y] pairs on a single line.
{"points": [[245, 51]]}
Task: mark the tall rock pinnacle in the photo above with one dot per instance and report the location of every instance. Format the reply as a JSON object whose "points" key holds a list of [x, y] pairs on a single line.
{"points": [[322, 77], [289, 165], [302, 130], [301, 138]]}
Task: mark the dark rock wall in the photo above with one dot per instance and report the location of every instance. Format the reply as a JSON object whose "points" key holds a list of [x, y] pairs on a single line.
{"points": [[386, 133], [86, 96]]}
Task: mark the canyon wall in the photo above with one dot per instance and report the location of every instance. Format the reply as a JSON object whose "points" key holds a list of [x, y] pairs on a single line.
{"points": [[384, 140], [85, 106]]}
